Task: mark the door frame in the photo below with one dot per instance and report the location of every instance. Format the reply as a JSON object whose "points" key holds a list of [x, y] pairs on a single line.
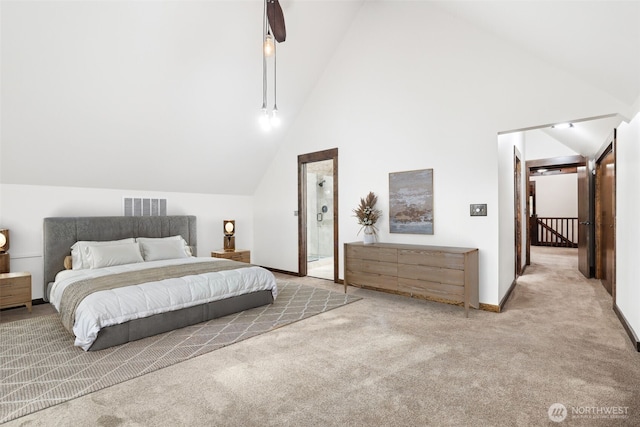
{"points": [[566, 164], [531, 215], [303, 159], [517, 196]]}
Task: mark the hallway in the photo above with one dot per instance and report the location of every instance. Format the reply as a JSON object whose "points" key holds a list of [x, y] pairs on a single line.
{"points": [[553, 287]]}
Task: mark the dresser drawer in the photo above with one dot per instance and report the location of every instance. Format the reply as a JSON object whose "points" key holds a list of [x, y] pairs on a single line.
{"points": [[431, 258], [431, 274], [374, 280], [432, 290], [372, 253], [383, 268]]}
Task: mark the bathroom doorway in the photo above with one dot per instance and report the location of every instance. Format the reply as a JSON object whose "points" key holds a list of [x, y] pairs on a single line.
{"points": [[318, 225], [320, 219]]}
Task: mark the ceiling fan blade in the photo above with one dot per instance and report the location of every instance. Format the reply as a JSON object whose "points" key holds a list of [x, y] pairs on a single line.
{"points": [[276, 20]]}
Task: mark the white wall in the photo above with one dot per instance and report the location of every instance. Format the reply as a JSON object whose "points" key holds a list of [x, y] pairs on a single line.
{"points": [[627, 224], [24, 206], [557, 195], [429, 91]]}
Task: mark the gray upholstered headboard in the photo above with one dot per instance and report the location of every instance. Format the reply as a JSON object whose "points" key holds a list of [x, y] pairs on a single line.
{"points": [[61, 233]]}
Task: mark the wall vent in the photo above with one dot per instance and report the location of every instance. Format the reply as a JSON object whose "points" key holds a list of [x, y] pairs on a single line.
{"points": [[144, 206]]}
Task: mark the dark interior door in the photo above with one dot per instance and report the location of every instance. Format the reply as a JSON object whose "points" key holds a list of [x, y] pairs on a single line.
{"points": [[585, 222], [606, 220]]}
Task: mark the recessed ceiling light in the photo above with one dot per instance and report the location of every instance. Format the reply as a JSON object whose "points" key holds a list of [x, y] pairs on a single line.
{"points": [[562, 126]]}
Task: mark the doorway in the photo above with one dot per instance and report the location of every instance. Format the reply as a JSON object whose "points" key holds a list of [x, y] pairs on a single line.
{"points": [[320, 219], [318, 214], [561, 231]]}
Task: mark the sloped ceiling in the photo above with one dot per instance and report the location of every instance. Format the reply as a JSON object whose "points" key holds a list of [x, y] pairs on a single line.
{"points": [[586, 137], [596, 41], [152, 95], [165, 95]]}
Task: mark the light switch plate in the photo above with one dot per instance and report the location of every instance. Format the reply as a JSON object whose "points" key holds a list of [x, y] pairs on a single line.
{"points": [[478, 209]]}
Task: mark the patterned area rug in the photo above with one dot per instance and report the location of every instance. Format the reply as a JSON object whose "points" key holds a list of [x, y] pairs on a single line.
{"points": [[40, 366]]}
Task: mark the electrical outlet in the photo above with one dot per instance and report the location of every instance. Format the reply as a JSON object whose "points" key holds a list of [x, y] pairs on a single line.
{"points": [[478, 209]]}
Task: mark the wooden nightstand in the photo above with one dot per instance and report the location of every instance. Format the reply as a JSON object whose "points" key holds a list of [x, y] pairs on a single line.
{"points": [[242, 256], [15, 290]]}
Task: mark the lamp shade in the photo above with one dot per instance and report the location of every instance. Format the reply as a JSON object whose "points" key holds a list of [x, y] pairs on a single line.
{"points": [[229, 227], [4, 240], [268, 46]]}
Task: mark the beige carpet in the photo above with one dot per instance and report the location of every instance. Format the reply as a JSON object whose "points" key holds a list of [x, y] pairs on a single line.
{"points": [[391, 361], [40, 367]]}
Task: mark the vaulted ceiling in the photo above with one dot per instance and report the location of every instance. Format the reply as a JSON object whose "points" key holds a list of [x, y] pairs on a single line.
{"points": [[129, 68]]}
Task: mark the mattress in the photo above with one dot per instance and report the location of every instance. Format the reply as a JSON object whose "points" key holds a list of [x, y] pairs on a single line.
{"points": [[116, 306]]}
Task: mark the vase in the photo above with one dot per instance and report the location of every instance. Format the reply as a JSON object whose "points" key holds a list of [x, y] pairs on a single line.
{"points": [[369, 236]]}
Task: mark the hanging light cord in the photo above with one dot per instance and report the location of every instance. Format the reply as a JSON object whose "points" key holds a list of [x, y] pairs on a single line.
{"points": [[275, 80], [264, 58], [268, 118]]}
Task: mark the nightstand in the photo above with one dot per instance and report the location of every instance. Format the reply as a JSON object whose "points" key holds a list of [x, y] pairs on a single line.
{"points": [[242, 256], [15, 290]]}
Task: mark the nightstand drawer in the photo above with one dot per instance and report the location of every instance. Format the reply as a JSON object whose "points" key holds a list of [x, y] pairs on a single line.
{"points": [[15, 290], [242, 256]]}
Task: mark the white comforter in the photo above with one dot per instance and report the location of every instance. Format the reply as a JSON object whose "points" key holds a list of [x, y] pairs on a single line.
{"points": [[111, 307]]}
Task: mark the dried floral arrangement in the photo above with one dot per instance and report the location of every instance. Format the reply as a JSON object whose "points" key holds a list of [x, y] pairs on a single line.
{"points": [[367, 214]]}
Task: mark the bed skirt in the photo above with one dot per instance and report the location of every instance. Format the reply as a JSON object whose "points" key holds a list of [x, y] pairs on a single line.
{"points": [[164, 322]]}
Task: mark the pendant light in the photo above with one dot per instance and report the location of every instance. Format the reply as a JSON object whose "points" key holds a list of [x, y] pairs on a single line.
{"points": [[273, 30], [269, 45]]}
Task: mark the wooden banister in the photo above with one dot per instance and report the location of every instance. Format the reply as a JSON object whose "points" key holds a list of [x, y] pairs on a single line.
{"points": [[555, 231]]}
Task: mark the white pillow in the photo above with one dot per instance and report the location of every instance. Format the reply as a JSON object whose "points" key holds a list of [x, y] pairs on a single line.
{"points": [[80, 257], [108, 255], [161, 239], [154, 249]]}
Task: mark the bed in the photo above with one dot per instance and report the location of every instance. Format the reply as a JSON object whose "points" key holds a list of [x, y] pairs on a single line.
{"points": [[125, 298]]}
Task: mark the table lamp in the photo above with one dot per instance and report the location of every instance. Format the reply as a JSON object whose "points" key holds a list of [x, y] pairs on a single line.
{"points": [[4, 247], [229, 227]]}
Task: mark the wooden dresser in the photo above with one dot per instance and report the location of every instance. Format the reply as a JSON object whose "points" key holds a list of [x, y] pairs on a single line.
{"points": [[437, 273]]}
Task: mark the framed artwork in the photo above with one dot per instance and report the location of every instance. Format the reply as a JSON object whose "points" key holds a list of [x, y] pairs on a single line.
{"points": [[411, 202]]}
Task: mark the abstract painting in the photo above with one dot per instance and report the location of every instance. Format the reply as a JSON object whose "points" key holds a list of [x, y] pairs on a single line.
{"points": [[411, 202]]}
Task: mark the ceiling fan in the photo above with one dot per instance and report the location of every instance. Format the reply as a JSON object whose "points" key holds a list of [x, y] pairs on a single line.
{"points": [[276, 20]]}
